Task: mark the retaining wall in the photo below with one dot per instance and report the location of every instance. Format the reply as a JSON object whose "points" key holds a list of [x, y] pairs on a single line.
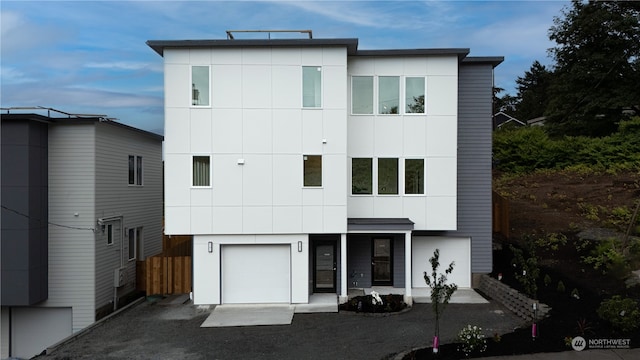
{"points": [[513, 300]]}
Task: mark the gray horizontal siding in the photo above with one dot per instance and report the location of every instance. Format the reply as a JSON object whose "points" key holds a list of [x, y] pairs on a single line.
{"points": [[140, 206], [475, 86]]}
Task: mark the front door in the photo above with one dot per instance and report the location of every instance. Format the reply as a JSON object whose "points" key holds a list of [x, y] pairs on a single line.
{"points": [[324, 266], [381, 262]]}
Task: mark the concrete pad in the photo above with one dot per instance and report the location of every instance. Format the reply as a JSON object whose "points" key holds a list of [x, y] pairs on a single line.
{"points": [[319, 303], [250, 315], [461, 296]]}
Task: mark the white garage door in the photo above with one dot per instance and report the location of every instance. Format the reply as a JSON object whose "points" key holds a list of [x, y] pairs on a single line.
{"points": [[256, 274], [451, 249]]}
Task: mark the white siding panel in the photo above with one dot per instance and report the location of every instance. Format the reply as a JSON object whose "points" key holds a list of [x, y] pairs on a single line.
{"points": [[178, 125], [441, 213], [173, 56], [257, 180], [442, 136], [415, 208], [360, 206], [201, 219], [200, 127], [312, 132], [415, 136], [286, 56], [441, 176], [334, 219], [387, 66], [256, 87], [226, 56], [388, 207], [287, 177], [312, 219], [415, 66], [177, 179], [200, 56], [287, 130], [226, 86], [360, 136], [256, 56], [334, 89], [227, 131], [201, 197], [286, 87], [311, 56], [334, 168], [257, 219], [442, 65], [227, 220], [177, 220], [442, 95], [287, 219], [256, 132], [178, 94], [388, 136], [227, 180], [334, 131]]}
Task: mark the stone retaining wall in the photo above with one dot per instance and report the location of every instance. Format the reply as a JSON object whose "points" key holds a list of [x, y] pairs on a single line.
{"points": [[513, 300]]}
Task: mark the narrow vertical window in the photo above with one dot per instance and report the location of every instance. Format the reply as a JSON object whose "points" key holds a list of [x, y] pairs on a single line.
{"points": [[201, 171], [312, 170], [200, 85], [132, 170], [138, 170], [132, 243], [414, 95], [362, 95], [388, 176], [388, 94], [109, 230], [139, 244], [361, 176], [311, 86], [414, 176]]}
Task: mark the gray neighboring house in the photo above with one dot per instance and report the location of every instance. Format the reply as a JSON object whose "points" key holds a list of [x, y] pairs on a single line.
{"points": [[81, 203]]}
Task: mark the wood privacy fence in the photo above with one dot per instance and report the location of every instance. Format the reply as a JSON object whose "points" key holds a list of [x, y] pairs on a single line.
{"points": [[500, 215], [168, 272]]}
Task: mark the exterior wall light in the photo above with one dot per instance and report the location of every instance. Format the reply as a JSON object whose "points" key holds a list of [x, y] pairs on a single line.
{"points": [[210, 247], [299, 246]]}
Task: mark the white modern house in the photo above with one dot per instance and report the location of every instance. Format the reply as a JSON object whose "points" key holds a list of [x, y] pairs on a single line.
{"points": [[306, 166], [81, 203]]}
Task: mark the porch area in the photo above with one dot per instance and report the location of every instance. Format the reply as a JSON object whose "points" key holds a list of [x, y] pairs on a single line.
{"points": [[422, 295]]}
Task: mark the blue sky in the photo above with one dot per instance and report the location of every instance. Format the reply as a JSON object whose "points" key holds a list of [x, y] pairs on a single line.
{"points": [[91, 56]]}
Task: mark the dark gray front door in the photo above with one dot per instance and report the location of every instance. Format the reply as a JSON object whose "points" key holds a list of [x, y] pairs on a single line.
{"points": [[381, 262], [324, 267]]}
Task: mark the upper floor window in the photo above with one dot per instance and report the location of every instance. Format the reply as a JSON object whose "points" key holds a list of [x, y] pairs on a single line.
{"points": [[311, 86], [201, 171], [361, 179], [362, 95], [414, 176], [135, 170], [389, 95], [200, 86], [109, 230], [312, 170], [388, 176], [414, 95]]}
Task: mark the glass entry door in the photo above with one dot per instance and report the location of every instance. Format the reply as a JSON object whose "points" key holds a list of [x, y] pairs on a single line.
{"points": [[381, 262], [324, 273]]}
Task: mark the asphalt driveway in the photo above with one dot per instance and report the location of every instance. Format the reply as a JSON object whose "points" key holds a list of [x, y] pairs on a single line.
{"points": [[152, 331]]}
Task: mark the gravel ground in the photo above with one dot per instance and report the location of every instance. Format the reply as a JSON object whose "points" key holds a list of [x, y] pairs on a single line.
{"points": [[152, 331]]}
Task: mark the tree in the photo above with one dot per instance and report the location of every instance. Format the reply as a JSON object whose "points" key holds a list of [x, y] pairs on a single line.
{"points": [[506, 103], [440, 291], [533, 92], [597, 69]]}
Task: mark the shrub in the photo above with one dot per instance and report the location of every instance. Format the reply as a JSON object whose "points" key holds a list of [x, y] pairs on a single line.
{"points": [[547, 280], [471, 340], [560, 287], [621, 313]]}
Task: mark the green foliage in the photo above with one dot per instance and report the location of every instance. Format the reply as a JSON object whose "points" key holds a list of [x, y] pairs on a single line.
{"points": [[608, 257], [528, 149], [471, 340], [526, 269], [551, 242], [560, 288], [547, 280], [575, 294], [441, 291], [622, 313]]}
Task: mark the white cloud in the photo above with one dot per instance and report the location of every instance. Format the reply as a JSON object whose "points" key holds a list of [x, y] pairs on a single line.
{"points": [[11, 75], [124, 65]]}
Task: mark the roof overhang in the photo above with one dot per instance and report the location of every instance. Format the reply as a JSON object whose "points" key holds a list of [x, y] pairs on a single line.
{"points": [[379, 224]]}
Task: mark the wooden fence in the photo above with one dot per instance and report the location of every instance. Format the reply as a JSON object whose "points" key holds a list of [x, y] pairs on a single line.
{"points": [[500, 215], [169, 272]]}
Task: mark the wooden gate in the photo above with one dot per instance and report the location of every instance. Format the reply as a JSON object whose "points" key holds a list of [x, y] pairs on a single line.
{"points": [[169, 272]]}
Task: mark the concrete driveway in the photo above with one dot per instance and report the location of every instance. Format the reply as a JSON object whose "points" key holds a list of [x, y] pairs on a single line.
{"points": [[152, 331]]}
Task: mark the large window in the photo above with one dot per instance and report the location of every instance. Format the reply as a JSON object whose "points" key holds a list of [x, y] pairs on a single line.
{"points": [[312, 170], [414, 95], [312, 86], [362, 95], [201, 171], [388, 94], [200, 86], [361, 179], [414, 176], [388, 176], [135, 170]]}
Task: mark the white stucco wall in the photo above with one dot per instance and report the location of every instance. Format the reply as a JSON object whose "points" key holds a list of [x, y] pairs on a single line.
{"points": [[431, 136], [256, 115]]}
